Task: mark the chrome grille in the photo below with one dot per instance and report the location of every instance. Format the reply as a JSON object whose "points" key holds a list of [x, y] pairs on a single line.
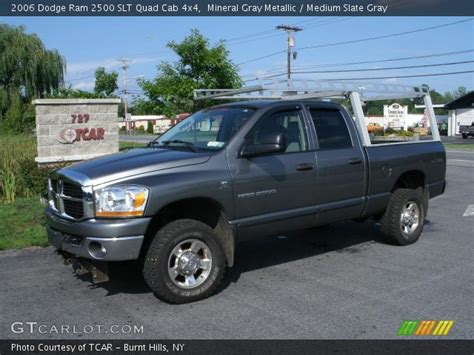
{"points": [[69, 198], [72, 190], [73, 208]]}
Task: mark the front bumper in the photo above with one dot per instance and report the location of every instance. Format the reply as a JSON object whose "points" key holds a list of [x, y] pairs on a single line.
{"points": [[107, 240]]}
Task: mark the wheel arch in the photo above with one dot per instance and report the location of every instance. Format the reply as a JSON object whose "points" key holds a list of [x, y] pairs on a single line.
{"points": [[203, 209], [410, 179]]}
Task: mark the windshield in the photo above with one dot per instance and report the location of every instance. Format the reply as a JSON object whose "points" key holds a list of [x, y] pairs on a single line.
{"points": [[208, 129]]}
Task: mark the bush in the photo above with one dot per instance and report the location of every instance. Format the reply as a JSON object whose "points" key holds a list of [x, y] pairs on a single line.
{"points": [[20, 176], [19, 118], [403, 133], [149, 127], [398, 132], [378, 132]]}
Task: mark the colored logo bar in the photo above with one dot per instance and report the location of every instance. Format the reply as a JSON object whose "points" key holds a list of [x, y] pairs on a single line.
{"points": [[425, 327]]}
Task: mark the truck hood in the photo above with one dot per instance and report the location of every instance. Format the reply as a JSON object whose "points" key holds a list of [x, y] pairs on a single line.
{"points": [[132, 162]]}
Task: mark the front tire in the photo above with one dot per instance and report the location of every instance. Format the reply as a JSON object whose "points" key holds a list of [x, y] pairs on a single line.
{"points": [[184, 262], [402, 222]]}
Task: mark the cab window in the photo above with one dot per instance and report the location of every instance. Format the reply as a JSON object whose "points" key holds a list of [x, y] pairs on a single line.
{"points": [[331, 129]]}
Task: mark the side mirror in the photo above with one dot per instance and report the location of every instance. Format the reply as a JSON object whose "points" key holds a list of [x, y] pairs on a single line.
{"points": [[270, 143]]}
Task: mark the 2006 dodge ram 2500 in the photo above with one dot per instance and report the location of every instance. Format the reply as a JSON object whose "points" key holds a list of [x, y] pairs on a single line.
{"points": [[236, 171]]}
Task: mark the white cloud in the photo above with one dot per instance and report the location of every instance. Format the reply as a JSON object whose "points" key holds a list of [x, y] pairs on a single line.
{"points": [[84, 85], [84, 67], [391, 81], [87, 67]]}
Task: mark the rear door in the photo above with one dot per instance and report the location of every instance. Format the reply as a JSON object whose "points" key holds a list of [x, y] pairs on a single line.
{"points": [[340, 163]]}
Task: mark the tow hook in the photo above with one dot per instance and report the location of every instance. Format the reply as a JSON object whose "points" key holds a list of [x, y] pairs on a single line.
{"points": [[98, 269]]}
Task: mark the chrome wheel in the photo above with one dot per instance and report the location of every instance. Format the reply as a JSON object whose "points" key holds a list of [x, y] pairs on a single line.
{"points": [[410, 217], [190, 263]]}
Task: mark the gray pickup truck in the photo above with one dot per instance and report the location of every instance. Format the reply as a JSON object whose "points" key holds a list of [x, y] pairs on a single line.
{"points": [[233, 172], [467, 131]]}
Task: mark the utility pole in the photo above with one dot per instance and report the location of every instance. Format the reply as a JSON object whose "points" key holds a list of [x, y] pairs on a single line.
{"points": [[125, 66], [290, 30]]}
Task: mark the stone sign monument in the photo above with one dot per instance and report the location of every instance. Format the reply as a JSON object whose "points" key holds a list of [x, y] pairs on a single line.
{"points": [[76, 129]]}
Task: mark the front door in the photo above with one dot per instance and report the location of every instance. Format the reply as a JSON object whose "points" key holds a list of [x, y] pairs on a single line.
{"points": [[276, 187]]}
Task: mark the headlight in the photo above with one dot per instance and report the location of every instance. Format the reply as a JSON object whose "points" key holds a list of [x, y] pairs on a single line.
{"points": [[121, 201]]}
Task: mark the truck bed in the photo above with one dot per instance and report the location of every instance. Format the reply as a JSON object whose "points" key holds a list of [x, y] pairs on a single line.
{"points": [[387, 162]]}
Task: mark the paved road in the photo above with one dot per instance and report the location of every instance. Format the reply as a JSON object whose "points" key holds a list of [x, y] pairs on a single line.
{"points": [[141, 138], [460, 158], [339, 282], [457, 140]]}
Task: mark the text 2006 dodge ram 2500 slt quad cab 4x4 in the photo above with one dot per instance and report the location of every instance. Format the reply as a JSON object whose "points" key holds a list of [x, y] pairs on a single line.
{"points": [[236, 171]]}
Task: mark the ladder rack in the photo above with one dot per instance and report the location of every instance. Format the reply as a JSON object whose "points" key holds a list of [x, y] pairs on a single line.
{"points": [[304, 89], [300, 89]]}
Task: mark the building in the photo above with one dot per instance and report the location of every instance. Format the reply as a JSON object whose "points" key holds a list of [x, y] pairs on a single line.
{"points": [[461, 113], [160, 123], [137, 122]]}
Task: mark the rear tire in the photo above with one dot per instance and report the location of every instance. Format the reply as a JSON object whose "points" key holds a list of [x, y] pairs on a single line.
{"points": [[402, 222], [184, 262], [464, 136]]}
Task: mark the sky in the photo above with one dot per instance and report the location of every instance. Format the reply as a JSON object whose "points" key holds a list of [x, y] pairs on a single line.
{"points": [[89, 42]]}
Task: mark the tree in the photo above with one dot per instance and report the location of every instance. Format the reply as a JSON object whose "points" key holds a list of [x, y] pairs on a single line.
{"points": [[460, 91], [71, 93], [105, 83], [144, 107], [27, 70], [200, 65], [26, 66], [13, 116]]}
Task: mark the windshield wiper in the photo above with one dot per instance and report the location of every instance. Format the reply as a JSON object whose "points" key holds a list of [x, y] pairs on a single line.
{"points": [[189, 145]]}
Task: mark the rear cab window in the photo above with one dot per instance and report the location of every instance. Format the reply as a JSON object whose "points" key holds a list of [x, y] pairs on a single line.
{"points": [[331, 129]]}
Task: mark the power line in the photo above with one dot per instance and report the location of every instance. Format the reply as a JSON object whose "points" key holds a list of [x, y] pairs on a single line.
{"points": [[262, 57], [84, 77], [402, 76], [360, 40], [266, 32], [385, 36], [330, 21], [259, 37], [255, 39], [375, 69], [280, 34], [280, 72], [385, 60], [250, 35]]}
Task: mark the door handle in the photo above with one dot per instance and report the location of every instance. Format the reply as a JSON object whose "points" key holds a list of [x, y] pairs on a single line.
{"points": [[304, 166], [355, 161]]}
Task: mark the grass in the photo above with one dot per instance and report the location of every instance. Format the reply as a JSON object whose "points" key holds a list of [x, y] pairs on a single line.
{"points": [[460, 146], [130, 145], [20, 176], [21, 185], [22, 224]]}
